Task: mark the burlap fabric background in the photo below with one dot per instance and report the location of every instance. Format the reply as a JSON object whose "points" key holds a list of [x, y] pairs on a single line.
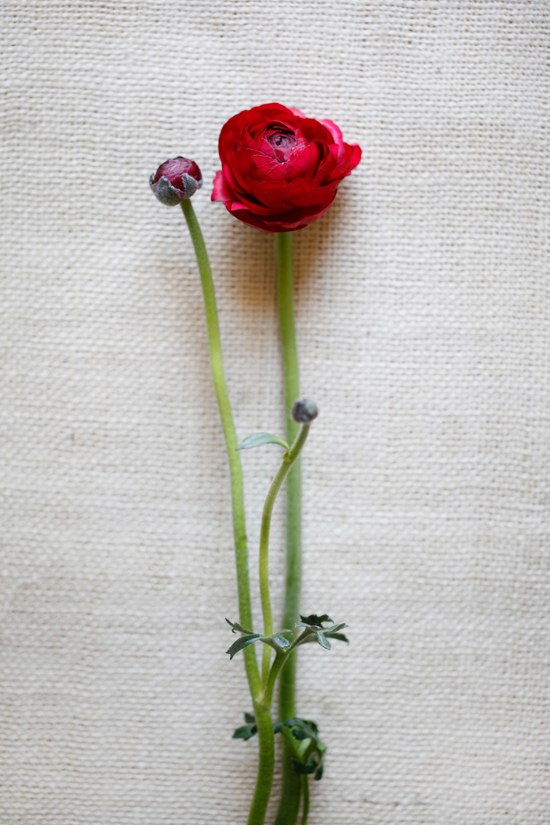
{"points": [[424, 331]]}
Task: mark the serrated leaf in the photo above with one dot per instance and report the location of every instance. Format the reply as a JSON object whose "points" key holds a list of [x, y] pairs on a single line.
{"points": [[277, 641], [309, 767], [237, 628], [302, 730], [315, 621], [314, 629], [311, 729], [300, 734], [302, 726], [245, 732], [258, 439], [249, 718], [241, 643]]}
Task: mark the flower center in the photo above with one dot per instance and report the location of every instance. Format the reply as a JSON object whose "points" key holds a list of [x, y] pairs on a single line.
{"points": [[282, 139]]}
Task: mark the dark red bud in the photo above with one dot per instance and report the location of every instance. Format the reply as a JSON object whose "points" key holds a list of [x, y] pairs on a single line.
{"points": [[175, 180]]}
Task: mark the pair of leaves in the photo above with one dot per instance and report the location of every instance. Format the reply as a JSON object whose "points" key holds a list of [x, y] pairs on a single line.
{"points": [[314, 630], [258, 439], [277, 641]]}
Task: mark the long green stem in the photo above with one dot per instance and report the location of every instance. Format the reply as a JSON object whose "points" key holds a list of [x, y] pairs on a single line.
{"points": [[266, 748], [230, 435], [290, 799], [289, 459]]}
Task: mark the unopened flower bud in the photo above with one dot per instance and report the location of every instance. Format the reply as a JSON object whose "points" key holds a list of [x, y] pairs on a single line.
{"points": [[305, 411], [176, 180]]}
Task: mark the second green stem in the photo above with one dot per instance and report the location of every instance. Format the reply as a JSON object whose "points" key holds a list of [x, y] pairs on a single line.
{"points": [[288, 810], [289, 459]]}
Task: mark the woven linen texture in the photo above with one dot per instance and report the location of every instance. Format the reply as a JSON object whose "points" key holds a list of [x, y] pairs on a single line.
{"points": [[423, 308]]}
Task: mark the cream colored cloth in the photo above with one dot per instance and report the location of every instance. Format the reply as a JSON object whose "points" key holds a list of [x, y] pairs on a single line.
{"points": [[423, 310]]}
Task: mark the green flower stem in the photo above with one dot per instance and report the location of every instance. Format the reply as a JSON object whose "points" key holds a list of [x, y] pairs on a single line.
{"points": [[264, 723], [280, 660], [266, 763], [289, 458], [266, 746], [290, 799], [230, 435], [305, 799]]}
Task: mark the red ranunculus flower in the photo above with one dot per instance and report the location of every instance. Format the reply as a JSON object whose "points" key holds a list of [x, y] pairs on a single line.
{"points": [[280, 169]]}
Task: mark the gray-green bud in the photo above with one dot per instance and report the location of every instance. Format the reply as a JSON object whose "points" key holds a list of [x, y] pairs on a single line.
{"points": [[176, 180], [305, 411]]}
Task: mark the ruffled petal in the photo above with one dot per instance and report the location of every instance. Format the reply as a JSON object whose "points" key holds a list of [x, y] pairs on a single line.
{"points": [[220, 189]]}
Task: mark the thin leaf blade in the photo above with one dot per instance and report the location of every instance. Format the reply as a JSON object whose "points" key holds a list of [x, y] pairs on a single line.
{"points": [[259, 439]]}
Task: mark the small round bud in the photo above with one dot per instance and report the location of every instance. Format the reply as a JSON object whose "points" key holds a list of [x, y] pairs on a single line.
{"points": [[305, 411], [176, 180]]}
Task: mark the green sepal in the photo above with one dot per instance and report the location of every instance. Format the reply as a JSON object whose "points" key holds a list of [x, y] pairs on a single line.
{"points": [[258, 439]]}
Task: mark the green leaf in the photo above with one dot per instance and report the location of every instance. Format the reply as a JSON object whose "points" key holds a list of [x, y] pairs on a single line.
{"points": [[309, 767], [258, 439], [305, 725], [237, 628], [241, 643], [245, 732], [300, 734], [323, 641], [311, 761], [277, 641], [335, 628], [315, 629], [314, 621], [341, 637]]}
